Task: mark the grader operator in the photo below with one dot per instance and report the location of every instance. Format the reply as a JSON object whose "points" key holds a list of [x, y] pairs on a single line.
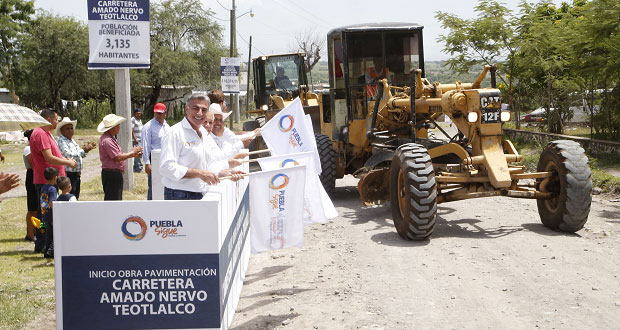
{"points": [[379, 110]]}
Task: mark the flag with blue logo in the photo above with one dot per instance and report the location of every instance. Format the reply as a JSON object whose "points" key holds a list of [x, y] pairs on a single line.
{"points": [[289, 132], [315, 209], [276, 211]]}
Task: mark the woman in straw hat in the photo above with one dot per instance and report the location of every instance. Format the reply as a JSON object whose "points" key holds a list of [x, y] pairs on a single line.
{"points": [[113, 160], [71, 150]]}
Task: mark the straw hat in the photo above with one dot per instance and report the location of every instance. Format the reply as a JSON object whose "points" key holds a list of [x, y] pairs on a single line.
{"points": [[217, 110], [63, 122], [109, 121]]}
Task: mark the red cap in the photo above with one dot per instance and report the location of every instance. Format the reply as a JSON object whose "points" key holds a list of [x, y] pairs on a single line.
{"points": [[159, 108]]}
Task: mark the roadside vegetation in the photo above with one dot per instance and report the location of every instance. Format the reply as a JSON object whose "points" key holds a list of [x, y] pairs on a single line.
{"points": [[547, 55]]}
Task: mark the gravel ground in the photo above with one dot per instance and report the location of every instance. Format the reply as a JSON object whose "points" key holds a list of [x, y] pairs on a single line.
{"points": [[490, 264]]}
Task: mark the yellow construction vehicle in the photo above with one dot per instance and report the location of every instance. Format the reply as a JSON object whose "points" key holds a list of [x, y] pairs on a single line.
{"points": [[378, 113], [278, 80]]}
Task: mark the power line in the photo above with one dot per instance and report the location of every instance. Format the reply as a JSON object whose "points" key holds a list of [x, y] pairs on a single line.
{"points": [[217, 18], [218, 1], [308, 12], [242, 38], [303, 13]]}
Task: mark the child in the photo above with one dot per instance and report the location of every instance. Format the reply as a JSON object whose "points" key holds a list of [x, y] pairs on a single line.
{"points": [[48, 195], [64, 184]]}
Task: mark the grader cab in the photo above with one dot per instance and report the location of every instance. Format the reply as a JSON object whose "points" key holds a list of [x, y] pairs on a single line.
{"points": [[381, 108], [278, 80]]}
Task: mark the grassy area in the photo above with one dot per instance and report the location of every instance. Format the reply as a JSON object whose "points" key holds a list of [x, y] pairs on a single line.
{"points": [[598, 163], [12, 153], [27, 286], [27, 279], [86, 131]]}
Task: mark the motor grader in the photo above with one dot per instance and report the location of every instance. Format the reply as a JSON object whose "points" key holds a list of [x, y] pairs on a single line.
{"points": [[278, 80], [379, 111]]}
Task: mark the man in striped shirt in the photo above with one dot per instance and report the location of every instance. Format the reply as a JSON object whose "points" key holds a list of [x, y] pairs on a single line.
{"points": [[136, 133]]}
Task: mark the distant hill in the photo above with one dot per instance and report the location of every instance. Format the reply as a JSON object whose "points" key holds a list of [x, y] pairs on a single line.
{"points": [[436, 71]]}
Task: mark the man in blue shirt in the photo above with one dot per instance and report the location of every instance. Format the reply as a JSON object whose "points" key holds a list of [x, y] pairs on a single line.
{"points": [[136, 134], [152, 132]]}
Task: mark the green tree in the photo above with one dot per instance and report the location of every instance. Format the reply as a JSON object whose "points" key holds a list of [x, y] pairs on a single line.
{"points": [[487, 39], [55, 60], [597, 47], [547, 59], [14, 17]]}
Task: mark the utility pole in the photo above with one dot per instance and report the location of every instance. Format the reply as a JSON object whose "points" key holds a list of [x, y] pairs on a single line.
{"points": [[122, 92], [247, 89], [233, 47]]}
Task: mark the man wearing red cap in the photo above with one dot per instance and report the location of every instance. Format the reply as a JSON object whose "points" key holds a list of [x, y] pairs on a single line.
{"points": [[152, 132]]}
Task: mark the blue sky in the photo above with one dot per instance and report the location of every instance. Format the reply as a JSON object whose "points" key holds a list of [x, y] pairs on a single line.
{"points": [[276, 22]]}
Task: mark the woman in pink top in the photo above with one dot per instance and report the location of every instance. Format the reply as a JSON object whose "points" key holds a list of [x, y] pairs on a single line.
{"points": [[113, 160]]}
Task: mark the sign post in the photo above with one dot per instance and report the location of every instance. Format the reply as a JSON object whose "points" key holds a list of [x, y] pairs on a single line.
{"points": [[119, 38], [229, 70]]}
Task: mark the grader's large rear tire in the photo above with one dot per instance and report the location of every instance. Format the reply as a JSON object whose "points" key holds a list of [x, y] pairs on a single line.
{"points": [[571, 183], [328, 162], [413, 192]]}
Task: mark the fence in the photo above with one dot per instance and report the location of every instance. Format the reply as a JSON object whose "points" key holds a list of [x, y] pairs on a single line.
{"points": [[592, 146]]}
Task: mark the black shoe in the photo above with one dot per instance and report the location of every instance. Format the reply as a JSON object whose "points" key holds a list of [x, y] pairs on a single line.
{"points": [[49, 253], [38, 248], [29, 239]]}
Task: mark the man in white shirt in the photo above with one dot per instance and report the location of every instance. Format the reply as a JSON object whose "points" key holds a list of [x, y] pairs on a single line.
{"points": [[226, 139], [215, 149], [187, 166], [152, 132]]}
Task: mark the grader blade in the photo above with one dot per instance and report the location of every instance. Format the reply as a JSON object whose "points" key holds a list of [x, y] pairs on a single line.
{"points": [[374, 186]]}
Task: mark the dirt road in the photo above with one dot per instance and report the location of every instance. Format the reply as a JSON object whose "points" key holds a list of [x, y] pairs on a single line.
{"points": [[490, 264]]}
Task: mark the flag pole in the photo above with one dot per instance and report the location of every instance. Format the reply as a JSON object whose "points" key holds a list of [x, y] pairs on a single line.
{"points": [[230, 177], [259, 151]]}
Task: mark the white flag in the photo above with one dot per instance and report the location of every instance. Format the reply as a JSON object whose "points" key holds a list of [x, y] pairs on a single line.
{"points": [[313, 203], [276, 211], [288, 132]]}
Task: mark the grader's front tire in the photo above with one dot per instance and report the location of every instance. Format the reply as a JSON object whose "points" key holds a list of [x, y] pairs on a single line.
{"points": [[327, 157], [571, 184], [413, 192]]}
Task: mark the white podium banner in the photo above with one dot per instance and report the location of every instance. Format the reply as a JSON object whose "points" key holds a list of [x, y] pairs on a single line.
{"points": [[152, 264], [157, 188]]}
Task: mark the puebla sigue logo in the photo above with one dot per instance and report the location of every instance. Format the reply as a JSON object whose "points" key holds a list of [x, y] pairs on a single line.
{"points": [[286, 124], [162, 228], [277, 226], [130, 235], [167, 228]]}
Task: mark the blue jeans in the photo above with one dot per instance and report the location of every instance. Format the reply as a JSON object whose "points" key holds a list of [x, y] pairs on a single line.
{"points": [[176, 194], [149, 194], [137, 162], [137, 165]]}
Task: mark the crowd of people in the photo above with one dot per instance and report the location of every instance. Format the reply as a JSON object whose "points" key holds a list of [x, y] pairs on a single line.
{"points": [[195, 153]]}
